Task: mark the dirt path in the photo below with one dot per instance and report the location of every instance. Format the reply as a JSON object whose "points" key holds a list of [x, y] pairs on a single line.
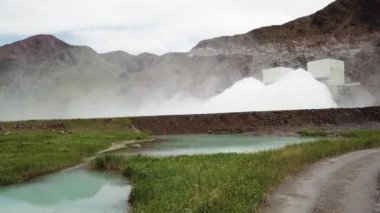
{"points": [[115, 147], [349, 183], [122, 145]]}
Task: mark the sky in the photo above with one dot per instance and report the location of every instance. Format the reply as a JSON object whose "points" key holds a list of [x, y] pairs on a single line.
{"points": [[138, 26]]}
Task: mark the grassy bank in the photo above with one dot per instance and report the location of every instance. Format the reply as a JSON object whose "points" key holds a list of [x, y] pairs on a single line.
{"points": [[313, 133], [33, 148], [222, 182]]}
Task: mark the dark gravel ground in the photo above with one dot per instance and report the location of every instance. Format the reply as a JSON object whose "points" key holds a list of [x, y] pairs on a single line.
{"points": [[261, 123]]}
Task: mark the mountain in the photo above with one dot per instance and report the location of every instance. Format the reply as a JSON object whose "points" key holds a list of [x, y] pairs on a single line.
{"points": [[348, 30], [41, 75], [44, 76], [31, 50], [33, 47]]}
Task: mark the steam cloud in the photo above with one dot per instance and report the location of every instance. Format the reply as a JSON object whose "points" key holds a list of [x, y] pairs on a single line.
{"points": [[296, 90]]}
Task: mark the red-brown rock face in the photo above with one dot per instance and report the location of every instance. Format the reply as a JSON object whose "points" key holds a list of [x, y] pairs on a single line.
{"points": [[38, 46]]}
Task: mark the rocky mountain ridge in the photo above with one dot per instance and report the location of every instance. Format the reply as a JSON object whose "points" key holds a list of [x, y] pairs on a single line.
{"points": [[348, 30]]}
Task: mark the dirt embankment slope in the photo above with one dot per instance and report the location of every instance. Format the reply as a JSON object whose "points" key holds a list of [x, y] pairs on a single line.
{"points": [[262, 123]]}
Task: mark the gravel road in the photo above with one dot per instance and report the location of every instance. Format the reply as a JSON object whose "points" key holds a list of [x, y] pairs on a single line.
{"points": [[349, 183]]}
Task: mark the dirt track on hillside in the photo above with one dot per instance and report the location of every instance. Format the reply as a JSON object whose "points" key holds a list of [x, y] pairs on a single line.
{"points": [[349, 183]]}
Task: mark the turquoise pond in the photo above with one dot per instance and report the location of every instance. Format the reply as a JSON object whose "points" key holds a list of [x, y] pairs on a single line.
{"points": [[82, 191], [212, 144], [74, 190]]}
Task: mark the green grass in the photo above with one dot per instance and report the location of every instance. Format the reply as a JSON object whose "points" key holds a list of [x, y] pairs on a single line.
{"points": [[213, 183], [312, 133], [29, 149], [222, 182]]}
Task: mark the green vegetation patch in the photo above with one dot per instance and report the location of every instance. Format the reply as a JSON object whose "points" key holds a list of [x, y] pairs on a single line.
{"points": [[313, 133], [32, 148], [222, 182]]}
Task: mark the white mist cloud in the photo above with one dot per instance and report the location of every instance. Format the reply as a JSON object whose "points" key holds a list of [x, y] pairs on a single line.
{"points": [[146, 25], [296, 90]]}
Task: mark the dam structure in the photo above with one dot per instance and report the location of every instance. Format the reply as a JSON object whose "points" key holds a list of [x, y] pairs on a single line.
{"points": [[329, 71]]}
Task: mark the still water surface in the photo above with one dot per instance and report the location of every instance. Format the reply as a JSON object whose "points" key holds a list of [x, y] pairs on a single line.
{"points": [[75, 190], [212, 144]]}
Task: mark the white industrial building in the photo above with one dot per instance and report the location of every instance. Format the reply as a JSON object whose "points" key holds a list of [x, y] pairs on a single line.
{"points": [[272, 75], [328, 71], [331, 72]]}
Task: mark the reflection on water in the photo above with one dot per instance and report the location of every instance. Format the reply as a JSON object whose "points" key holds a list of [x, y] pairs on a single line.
{"points": [[211, 144], [74, 190]]}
